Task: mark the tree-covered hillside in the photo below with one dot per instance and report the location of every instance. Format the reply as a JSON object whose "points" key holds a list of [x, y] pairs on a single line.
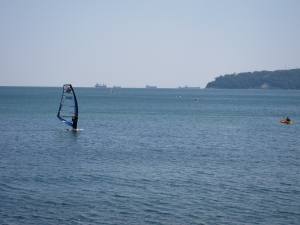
{"points": [[279, 79]]}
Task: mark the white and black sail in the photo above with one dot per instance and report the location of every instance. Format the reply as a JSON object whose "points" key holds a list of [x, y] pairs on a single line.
{"points": [[68, 107]]}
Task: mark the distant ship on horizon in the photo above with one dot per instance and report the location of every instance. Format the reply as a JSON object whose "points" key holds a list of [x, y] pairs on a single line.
{"points": [[150, 87], [187, 87], [102, 86]]}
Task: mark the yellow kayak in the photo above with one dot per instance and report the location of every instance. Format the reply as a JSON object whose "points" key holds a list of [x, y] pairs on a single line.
{"points": [[287, 122]]}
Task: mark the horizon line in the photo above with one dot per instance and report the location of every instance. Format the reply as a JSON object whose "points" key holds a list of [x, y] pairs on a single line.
{"points": [[108, 87]]}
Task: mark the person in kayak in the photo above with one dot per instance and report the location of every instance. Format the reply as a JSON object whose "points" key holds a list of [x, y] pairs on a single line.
{"points": [[288, 120]]}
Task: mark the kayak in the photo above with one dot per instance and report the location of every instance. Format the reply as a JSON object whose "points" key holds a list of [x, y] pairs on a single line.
{"points": [[286, 122]]}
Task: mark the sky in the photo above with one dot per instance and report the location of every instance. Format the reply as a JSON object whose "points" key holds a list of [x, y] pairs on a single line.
{"points": [[133, 43]]}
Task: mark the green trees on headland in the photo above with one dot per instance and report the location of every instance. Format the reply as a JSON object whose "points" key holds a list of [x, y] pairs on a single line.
{"points": [[279, 79]]}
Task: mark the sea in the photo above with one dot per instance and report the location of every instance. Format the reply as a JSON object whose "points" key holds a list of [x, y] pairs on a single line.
{"points": [[150, 156]]}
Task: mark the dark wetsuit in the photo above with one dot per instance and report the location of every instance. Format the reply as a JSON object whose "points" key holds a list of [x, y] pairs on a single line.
{"points": [[74, 120]]}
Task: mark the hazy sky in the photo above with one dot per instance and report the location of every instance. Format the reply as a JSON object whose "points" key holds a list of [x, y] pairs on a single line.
{"points": [[131, 43]]}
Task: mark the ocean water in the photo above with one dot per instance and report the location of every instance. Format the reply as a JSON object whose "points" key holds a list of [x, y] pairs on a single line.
{"points": [[150, 157]]}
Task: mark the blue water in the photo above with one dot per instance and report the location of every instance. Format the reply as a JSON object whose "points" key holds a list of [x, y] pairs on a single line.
{"points": [[150, 157]]}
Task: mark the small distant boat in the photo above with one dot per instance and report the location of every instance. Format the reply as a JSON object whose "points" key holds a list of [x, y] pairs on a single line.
{"points": [[150, 87], [187, 87], [102, 86]]}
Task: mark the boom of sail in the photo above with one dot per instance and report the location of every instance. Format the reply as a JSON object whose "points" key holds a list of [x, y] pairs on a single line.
{"points": [[68, 107]]}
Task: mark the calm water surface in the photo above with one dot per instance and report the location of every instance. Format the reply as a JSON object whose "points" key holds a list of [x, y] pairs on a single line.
{"points": [[150, 157]]}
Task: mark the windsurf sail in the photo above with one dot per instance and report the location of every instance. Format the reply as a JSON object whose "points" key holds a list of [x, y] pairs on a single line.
{"points": [[68, 107]]}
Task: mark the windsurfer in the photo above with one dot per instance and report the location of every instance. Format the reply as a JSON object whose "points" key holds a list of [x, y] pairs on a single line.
{"points": [[74, 120]]}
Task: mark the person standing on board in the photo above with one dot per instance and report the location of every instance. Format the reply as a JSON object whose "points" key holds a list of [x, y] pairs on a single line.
{"points": [[74, 120]]}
